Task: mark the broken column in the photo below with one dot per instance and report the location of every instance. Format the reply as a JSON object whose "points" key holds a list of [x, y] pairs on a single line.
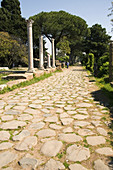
{"points": [[49, 61], [53, 53], [30, 46], [41, 63]]}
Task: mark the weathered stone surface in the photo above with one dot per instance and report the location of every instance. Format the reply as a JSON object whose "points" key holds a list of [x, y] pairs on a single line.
{"points": [[27, 162], [37, 126], [63, 115], [25, 117], [66, 121], [32, 111], [4, 135], [46, 133], [53, 164], [69, 108], [28, 143], [19, 108], [14, 124], [59, 110], [6, 158], [21, 135], [102, 131], [35, 106], [54, 126], [51, 148], [99, 165], [81, 123], [5, 145], [8, 117], [70, 138], [85, 132], [84, 105], [105, 151], [76, 167], [71, 112], [51, 119], [80, 117], [68, 130], [12, 112], [75, 153], [96, 123], [95, 140]]}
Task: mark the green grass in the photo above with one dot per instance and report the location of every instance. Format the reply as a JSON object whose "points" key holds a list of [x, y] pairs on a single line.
{"points": [[27, 83], [2, 81]]}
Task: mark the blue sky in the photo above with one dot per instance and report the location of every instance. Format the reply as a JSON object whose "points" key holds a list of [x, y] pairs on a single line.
{"points": [[92, 11]]}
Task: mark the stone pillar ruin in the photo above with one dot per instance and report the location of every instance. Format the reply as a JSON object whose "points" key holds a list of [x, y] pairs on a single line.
{"points": [[111, 62], [30, 46], [41, 63], [53, 53], [48, 61]]}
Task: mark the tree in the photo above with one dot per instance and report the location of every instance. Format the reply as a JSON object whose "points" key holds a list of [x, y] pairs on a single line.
{"points": [[11, 20], [97, 42], [12, 51], [59, 24]]}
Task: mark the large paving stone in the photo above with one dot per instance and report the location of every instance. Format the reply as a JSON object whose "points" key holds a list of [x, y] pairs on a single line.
{"points": [[37, 126], [29, 162], [5, 145], [32, 111], [85, 132], [7, 118], [35, 106], [77, 153], [102, 131], [70, 138], [95, 140], [66, 121], [105, 151], [69, 108], [46, 133], [14, 124], [21, 135], [27, 144], [24, 117], [4, 135], [54, 165], [6, 158], [99, 165], [84, 105], [80, 117], [81, 123], [51, 119], [12, 112], [56, 127], [51, 148], [76, 167]]}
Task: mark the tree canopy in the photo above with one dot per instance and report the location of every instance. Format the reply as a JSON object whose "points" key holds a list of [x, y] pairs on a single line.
{"points": [[12, 51], [59, 24], [11, 20]]}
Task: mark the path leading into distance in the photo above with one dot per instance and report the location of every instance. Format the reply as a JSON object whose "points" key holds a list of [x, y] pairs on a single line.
{"points": [[55, 124]]}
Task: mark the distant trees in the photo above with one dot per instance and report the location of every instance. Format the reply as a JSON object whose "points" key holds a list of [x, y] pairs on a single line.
{"points": [[12, 51], [97, 42]]}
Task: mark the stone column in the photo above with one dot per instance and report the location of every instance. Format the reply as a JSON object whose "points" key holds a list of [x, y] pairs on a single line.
{"points": [[48, 61], [111, 62], [41, 63], [53, 53], [30, 46]]}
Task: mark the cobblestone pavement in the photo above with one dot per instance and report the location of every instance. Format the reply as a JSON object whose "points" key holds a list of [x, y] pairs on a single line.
{"points": [[55, 124]]}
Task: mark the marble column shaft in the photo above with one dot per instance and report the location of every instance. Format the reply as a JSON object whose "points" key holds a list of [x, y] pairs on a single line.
{"points": [[53, 53], [30, 45], [49, 61], [41, 64]]}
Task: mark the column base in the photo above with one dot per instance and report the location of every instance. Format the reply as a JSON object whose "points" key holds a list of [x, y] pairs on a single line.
{"points": [[53, 66], [41, 68], [31, 70]]}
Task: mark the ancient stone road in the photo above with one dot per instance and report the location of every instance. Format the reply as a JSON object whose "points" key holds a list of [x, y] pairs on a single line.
{"points": [[54, 125]]}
